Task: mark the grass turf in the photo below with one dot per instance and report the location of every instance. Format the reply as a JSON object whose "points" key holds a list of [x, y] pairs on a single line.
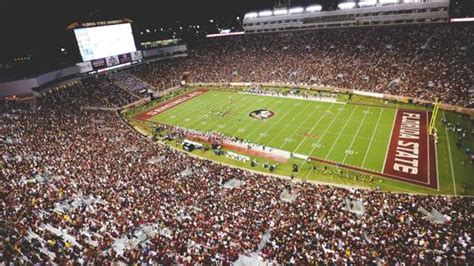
{"points": [[352, 134], [323, 130]]}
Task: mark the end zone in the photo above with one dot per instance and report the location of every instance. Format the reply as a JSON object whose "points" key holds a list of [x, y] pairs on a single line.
{"points": [[411, 155], [164, 106]]}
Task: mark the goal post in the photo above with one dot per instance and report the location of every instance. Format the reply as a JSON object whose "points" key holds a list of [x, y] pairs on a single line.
{"points": [[434, 114]]}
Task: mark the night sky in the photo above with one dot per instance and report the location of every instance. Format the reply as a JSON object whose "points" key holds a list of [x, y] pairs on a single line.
{"points": [[31, 27], [39, 27]]}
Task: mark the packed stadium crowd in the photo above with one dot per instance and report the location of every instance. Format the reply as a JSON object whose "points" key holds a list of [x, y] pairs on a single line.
{"points": [[419, 61], [131, 83], [79, 185], [101, 92]]}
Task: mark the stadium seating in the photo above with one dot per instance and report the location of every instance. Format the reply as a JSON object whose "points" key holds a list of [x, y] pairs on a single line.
{"points": [[79, 185], [419, 61]]}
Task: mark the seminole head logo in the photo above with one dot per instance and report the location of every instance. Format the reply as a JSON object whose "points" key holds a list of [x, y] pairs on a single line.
{"points": [[261, 114]]}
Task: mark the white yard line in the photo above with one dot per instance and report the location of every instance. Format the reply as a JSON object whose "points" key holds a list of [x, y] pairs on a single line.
{"points": [[262, 123], [340, 133], [184, 110], [324, 133], [372, 138], [288, 124], [215, 122], [277, 123], [389, 139], [355, 135], [314, 126], [450, 158], [198, 116]]}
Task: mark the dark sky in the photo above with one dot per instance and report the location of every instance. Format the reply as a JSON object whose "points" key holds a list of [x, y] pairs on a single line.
{"points": [[30, 26], [36, 27]]}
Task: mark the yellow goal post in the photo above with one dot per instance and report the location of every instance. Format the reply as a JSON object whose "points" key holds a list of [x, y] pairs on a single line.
{"points": [[432, 127]]}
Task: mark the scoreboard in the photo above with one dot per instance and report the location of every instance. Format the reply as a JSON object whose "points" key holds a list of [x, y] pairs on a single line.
{"points": [[110, 43]]}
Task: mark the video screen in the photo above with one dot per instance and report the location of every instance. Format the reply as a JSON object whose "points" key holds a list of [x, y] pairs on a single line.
{"points": [[105, 41]]}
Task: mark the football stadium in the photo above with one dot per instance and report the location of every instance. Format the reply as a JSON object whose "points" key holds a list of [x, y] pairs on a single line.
{"points": [[252, 133]]}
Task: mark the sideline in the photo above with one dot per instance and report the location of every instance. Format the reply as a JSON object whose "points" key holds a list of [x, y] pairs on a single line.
{"points": [[450, 158]]}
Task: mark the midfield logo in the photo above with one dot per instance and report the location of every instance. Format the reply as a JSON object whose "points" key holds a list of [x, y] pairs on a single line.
{"points": [[261, 114]]}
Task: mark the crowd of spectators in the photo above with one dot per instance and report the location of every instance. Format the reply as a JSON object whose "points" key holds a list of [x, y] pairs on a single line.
{"points": [[100, 92], [78, 185], [131, 83], [419, 61], [162, 75]]}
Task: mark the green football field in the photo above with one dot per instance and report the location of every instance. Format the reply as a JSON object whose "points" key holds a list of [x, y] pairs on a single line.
{"points": [[349, 134], [354, 134]]}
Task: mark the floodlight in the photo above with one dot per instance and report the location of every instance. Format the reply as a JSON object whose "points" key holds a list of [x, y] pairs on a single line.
{"points": [[389, 1], [314, 8], [469, 19], [296, 10], [280, 12], [347, 5], [265, 13], [367, 3], [251, 15]]}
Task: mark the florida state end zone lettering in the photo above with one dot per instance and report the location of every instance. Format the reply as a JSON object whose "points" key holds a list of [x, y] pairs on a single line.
{"points": [[411, 156], [170, 104]]}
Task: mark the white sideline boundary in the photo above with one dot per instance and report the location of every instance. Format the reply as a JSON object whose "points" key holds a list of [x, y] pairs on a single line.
{"points": [[450, 158], [390, 139]]}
